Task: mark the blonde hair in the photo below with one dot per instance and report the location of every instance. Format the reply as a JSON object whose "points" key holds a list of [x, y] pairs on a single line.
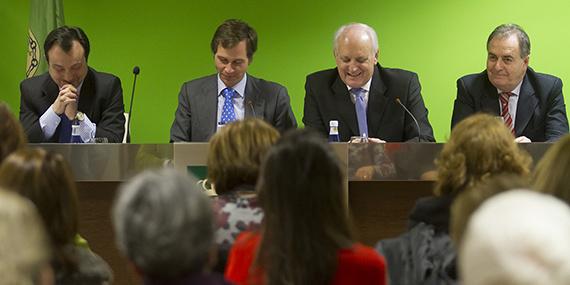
{"points": [[479, 146], [469, 200], [24, 249], [236, 153], [551, 173]]}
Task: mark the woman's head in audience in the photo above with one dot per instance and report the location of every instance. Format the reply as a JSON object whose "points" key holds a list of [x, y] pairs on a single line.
{"points": [[479, 146], [25, 250], [517, 237], [302, 190], [552, 173], [236, 153], [12, 135], [164, 224], [470, 199], [46, 179]]}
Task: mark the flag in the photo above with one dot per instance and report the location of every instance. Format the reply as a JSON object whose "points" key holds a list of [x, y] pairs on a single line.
{"points": [[45, 15]]}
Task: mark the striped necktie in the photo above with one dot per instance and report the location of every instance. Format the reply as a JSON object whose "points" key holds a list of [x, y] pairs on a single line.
{"points": [[504, 98]]}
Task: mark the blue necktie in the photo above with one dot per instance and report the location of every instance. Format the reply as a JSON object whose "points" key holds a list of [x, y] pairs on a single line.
{"points": [[360, 110], [64, 129], [228, 112]]}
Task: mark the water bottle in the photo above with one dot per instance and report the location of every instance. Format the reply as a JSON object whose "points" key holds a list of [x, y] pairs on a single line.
{"points": [[333, 131], [75, 137]]}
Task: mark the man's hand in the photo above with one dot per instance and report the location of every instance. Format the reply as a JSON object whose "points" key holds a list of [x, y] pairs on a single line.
{"points": [[66, 101], [375, 140], [522, 139], [364, 173], [365, 140]]}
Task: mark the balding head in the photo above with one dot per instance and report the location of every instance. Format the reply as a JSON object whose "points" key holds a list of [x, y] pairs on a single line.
{"points": [[356, 53]]}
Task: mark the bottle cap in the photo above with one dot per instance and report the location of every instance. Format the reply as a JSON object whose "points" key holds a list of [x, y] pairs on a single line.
{"points": [[333, 123]]}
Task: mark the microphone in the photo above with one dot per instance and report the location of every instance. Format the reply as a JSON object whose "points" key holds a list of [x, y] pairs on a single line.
{"points": [[411, 115], [250, 105], [136, 71]]}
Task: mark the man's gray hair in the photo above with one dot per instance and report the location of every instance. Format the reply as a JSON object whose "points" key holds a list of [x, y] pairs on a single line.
{"points": [[517, 237], [506, 30], [367, 29], [164, 224]]}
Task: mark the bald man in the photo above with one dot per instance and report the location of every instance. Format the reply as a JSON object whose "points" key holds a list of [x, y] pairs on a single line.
{"points": [[363, 96]]}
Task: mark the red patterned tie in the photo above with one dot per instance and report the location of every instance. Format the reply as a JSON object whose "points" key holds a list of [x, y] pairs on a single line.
{"points": [[504, 98]]}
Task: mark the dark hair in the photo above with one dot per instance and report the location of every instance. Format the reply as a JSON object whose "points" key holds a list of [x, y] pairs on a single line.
{"points": [[46, 179], [236, 153], [506, 30], [64, 37], [232, 32], [302, 192], [12, 135]]}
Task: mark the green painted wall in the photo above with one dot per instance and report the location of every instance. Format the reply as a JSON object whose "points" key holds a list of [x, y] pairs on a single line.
{"points": [[169, 40]]}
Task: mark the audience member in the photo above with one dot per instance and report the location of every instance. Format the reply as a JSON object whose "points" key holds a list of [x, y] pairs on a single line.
{"points": [[306, 236], [479, 146], [516, 238], [234, 160], [551, 173], [165, 226], [46, 179], [469, 200], [24, 254], [12, 135]]}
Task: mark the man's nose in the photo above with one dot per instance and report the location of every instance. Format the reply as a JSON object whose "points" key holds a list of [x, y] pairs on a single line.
{"points": [[499, 64], [68, 76], [229, 68]]}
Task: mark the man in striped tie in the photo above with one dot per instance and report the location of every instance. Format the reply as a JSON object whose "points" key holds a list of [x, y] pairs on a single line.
{"points": [[530, 103]]}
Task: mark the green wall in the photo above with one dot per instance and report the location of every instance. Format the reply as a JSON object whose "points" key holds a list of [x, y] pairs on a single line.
{"points": [[169, 40]]}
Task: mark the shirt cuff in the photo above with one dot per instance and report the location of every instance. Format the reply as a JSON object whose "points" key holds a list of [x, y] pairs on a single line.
{"points": [[49, 122], [87, 129]]}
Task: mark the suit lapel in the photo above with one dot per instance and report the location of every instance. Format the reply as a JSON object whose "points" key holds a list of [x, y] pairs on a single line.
{"points": [[344, 105], [377, 102], [49, 91], [208, 104], [525, 107], [490, 99], [87, 94], [253, 100]]}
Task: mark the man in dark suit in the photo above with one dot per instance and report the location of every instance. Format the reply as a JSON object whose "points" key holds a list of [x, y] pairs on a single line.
{"points": [[530, 103], [71, 93], [363, 96], [207, 103]]}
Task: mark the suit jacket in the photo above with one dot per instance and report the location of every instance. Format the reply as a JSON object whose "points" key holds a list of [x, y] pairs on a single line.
{"points": [[327, 98], [101, 99], [541, 113], [196, 117]]}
